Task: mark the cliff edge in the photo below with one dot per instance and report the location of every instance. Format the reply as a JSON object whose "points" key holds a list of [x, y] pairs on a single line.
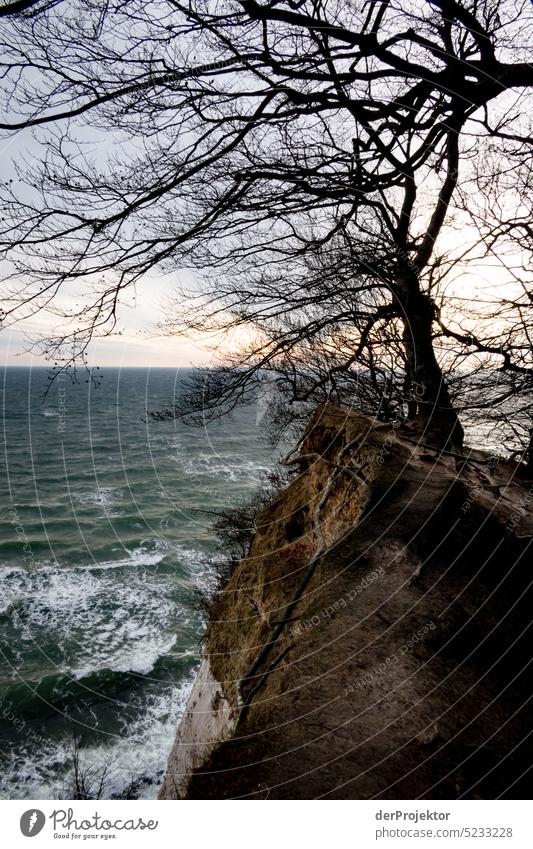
{"points": [[374, 643]]}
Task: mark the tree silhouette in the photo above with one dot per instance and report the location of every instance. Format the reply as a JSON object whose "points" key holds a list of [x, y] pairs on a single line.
{"points": [[304, 158]]}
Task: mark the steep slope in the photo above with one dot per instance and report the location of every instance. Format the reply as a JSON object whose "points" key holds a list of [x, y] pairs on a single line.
{"points": [[374, 642]]}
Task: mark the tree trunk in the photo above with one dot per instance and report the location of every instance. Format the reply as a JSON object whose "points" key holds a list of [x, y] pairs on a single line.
{"points": [[435, 420], [529, 455]]}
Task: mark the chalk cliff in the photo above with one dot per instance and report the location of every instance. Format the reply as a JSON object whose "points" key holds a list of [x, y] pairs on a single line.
{"points": [[374, 642]]}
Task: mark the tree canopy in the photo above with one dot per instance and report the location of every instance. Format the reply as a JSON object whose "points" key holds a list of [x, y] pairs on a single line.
{"points": [[329, 170]]}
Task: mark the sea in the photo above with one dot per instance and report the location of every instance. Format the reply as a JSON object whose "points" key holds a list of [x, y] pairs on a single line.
{"points": [[106, 544]]}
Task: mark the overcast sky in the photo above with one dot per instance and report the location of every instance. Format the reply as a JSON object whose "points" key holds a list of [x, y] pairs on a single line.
{"points": [[140, 342]]}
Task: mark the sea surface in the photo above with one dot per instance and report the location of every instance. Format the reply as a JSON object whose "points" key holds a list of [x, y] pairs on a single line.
{"points": [[103, 548]]}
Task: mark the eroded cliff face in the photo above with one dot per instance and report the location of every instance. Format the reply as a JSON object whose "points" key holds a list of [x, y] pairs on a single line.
{"points": [[390, 586]]}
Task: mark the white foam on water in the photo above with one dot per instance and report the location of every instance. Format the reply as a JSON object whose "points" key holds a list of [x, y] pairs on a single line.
{"points": [[133, 606], [120, 615], [149, 553], [140, 660], [219, 467], [106, 497], [42, 769]]}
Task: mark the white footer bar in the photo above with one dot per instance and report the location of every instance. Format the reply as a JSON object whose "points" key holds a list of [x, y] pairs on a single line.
{"points": [[267, 824]]}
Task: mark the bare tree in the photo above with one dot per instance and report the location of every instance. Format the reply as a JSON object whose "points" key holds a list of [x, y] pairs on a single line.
{"points": [[487, 333], [19, 7], [304, 158], [88, 780]]}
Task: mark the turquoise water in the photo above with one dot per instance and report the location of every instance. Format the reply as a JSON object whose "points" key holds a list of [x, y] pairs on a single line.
{"points": [[101, 552]]}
